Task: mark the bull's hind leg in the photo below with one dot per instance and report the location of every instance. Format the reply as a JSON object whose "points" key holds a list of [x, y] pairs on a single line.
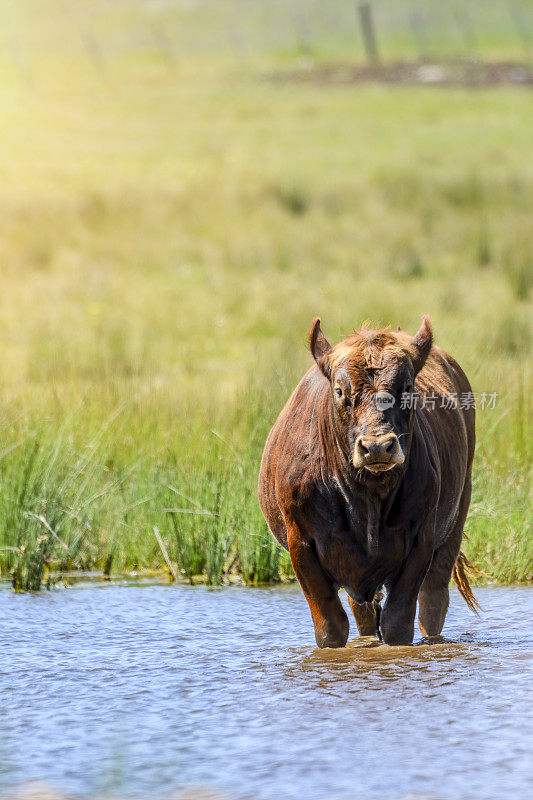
{"points": [[366, 618], [367, 615], [434, 595], [329, 617]]}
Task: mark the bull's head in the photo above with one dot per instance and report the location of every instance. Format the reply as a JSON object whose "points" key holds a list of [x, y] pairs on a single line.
{"points": [[369, 372]]}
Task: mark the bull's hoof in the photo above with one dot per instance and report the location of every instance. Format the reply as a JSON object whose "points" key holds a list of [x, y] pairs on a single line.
{"points": [[397, 628], [397, 637], [332, 635]]}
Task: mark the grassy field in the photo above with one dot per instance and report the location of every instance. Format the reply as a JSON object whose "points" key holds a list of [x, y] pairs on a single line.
{"points": [[172, 219]]}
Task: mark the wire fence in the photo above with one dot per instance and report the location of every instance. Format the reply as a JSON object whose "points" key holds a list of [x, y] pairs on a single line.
{"points": [[375, 32]]}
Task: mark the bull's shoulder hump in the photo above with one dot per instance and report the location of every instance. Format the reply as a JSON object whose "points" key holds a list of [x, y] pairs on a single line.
{"points": [[306, 397], [292, 446], [442, 373], [456, 373]]}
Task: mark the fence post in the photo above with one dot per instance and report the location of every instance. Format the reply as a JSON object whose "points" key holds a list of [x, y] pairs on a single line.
{"points": [[519, 19], [419, 31], [369, 33]]}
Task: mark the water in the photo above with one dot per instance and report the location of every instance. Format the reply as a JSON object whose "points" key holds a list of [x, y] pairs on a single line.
{"points": [[145, 691]]}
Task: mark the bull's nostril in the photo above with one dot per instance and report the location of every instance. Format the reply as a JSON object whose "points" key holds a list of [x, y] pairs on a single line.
{"points": [[363, 447], [388, 445]]}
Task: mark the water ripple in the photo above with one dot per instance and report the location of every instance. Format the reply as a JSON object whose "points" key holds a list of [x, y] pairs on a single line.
{"points": [[148, 690]]}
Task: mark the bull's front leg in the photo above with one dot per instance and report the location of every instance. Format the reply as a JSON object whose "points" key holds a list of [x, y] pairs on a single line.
{"points": [[397, 622], [329, 618]]}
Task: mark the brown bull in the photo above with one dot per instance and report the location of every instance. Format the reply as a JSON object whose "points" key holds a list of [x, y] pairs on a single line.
{"points": [[368, 487]]}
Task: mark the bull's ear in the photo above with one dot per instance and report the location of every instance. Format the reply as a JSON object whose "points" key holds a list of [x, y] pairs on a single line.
{"points": [[319, 346], [420, 344]]}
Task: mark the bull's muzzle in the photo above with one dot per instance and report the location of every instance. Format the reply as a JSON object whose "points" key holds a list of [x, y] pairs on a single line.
{"points": [[378, 453]]}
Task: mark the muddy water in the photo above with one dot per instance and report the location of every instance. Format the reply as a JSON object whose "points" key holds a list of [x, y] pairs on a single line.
{"points": [[144, 691]]}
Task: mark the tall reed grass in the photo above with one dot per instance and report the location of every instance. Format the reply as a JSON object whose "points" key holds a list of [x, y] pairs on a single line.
{"points": [[71, 497]]}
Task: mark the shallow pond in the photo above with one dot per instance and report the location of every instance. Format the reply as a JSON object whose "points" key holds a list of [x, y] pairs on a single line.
{"points": [[146, 690]]}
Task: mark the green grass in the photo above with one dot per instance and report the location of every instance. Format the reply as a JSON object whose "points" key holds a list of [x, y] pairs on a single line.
{"points": [[168, 229]]}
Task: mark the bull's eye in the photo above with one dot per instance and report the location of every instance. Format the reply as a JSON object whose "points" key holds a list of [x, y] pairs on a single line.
{"points": [[408, 388], [338, 392]]}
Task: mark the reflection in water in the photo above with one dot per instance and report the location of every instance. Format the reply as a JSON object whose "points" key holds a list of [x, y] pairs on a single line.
{"points": [[149, 690]]}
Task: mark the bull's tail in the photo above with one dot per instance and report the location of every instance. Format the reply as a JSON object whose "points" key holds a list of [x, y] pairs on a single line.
{"points": [[460, 575]]}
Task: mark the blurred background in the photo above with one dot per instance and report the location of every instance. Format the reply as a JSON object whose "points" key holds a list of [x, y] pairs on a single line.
{"points": [[184, 185]]}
